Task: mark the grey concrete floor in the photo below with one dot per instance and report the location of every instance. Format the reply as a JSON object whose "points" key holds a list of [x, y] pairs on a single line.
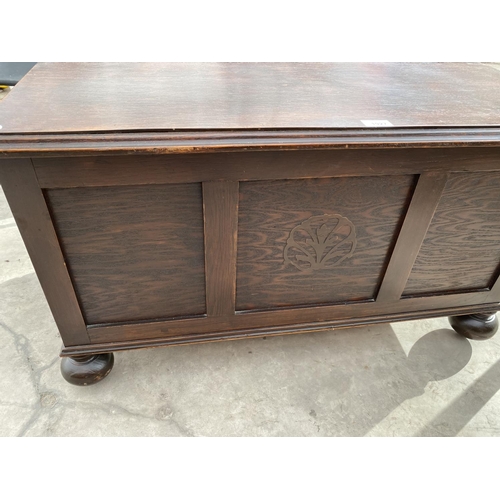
{"points": [[414, 378]]}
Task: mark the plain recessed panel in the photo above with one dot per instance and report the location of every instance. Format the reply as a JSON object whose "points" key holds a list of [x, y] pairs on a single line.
{"points": [[134, 253]]}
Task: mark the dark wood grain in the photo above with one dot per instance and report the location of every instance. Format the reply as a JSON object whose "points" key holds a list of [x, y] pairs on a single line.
{"points": [[297, 319], [269, 211], [266, 331], [204, 202], [462, 248], [133, 252], [220, 209], [87, 370], [163, 143], [475, 326], [27, 203], [175, 169], [219, 335], [423, 205], [242, 333], [83, 97]]}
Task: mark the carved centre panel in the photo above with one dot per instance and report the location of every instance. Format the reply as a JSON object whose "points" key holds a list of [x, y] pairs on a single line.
{"points": [[320, 242], [316, 241]]}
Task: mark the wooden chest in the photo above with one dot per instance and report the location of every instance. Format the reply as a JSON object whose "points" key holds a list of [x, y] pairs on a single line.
{"points": [[177, 203]]}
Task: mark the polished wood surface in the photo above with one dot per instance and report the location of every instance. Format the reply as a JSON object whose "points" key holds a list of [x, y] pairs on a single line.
{"points": [[220, 214], [216, 335], [475, 326], [326, 169], [266, 165], [233, 201], [423, 205], [133, 252], [293, 320], [195, 141], [461, 250], [270, 211], [92, 97], [19, 182], [87, 370]]}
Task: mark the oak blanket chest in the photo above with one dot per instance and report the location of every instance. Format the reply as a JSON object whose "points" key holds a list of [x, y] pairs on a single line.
{"points": [[170, 204]]}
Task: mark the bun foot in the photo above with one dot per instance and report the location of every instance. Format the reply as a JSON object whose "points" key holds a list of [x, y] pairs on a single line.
{"points": [[475, 326], [87, 370]]}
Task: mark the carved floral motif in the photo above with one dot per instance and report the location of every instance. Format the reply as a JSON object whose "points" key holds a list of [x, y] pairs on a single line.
{"points": [[320, 242]]}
